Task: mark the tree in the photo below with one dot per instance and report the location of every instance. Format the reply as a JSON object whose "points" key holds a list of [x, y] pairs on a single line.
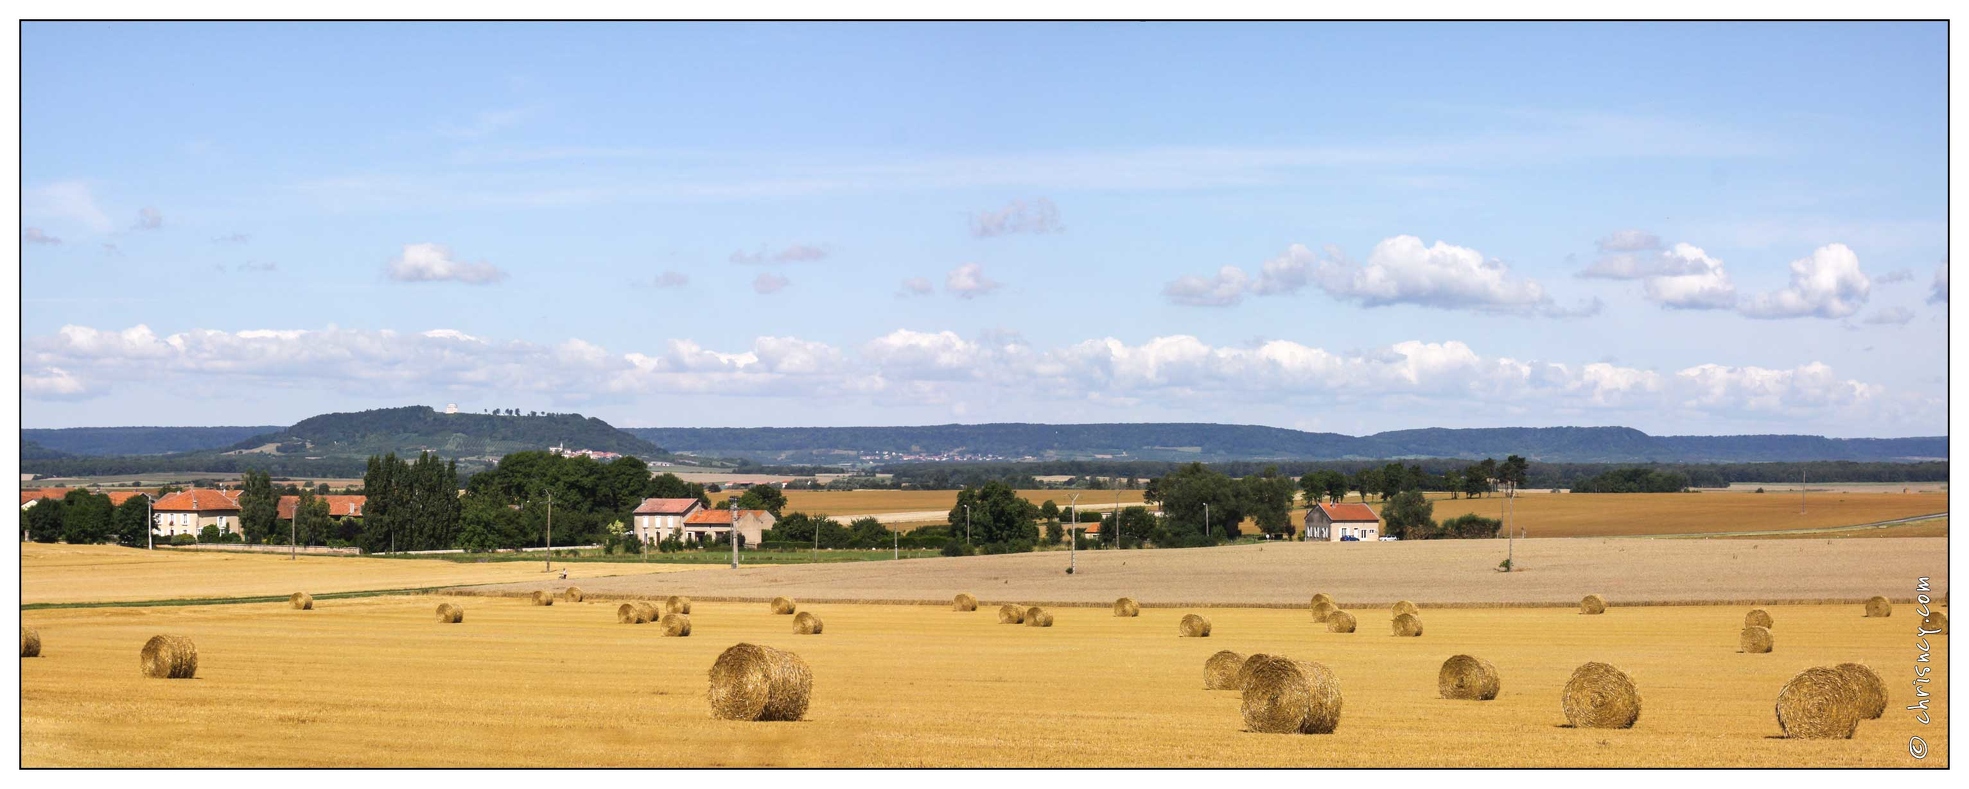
{"points": [[1408, 516], [258, 508], [1470, 526], [86, 517], [1134, 525], [997, 515], [869, 533], [129, 523], [209, 534], [43, 521], [763, 497], [1268, 498], [1188, 494], [1366, 481], [312, 524], [1515, 471], [1453, 482]]}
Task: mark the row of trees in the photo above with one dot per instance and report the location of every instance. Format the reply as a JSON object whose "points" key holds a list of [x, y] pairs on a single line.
{"points": [[85, 517]]}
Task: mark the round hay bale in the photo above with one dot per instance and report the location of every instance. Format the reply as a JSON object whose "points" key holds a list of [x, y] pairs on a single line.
{"points": [[1285, 696], [677, 604], [1220, 670], [543, 597], [1467, 677], [1757, 617], [755, 683], [1935, 622], [806, 624], [631, 614], [1039, 617], [1322, 597], [1009, 614], [169, 657], [783, 606], [1877, 606], [572, 594], [964, 601], [1193, 626], [450, 613], [301, 601], [1599, 696], [1755, 640], [1405, 607], [1127, 607], [649, 611], [1819, 704], [30, 642], [1323, 610], [1870, 692], [1250, 666], [676, 625], [1593, 604], [1407, 625], [1340, 622]]}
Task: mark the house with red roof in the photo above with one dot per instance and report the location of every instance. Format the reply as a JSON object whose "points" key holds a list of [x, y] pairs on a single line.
{"points": [[712, 524], [1330, 522], [190, 511], [658, 519], [338, 506]]}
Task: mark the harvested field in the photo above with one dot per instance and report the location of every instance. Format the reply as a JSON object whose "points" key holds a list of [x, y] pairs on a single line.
{"points": [[1627, 514], [92, 573], [401, 692], [1432, 573]]}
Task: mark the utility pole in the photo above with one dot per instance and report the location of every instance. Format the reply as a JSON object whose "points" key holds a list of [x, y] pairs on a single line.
{"points": [[1117, 517], [1073, 538], [293, 531], [150, 523], [733, 536], [1801, 491], [967, 524], [1206, 520], [897, 537]]}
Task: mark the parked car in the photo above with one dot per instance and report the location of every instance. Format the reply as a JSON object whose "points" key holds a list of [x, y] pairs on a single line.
{"points": [[1350, 538], [1391, 539]]}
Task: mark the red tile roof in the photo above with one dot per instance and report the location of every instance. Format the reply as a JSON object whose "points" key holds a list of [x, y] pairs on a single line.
{"points": [[666, 506], [199, 500], [1349, 513], [115, 496], [718, 517], [338, 506]]}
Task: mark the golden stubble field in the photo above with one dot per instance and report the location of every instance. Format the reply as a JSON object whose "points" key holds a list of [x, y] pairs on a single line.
{"points": [[88, 573], [1626, 514], [377, 682]]}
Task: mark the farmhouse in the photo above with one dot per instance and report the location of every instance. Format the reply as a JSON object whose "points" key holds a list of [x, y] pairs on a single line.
{"points": [[338, 506], [657, 519], [1330, 522], [188, 512], [705, 525]]}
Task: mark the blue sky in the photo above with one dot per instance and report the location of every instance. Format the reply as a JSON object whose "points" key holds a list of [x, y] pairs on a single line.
{"points": [[1731, 228]]}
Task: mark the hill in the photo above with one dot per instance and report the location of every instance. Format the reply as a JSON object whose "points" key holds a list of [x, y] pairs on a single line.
{"points": [[139, 440], [1217, 443]]}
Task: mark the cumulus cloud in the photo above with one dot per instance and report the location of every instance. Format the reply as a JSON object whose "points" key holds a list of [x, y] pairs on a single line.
{"points": [[1891, 316], [434, 263], [968, 282], [148, 218], [1628, 241], [1829, 284], [35, 235], [1223, 290], [1897, 275], [768, 282], [1039, 216], [1678, 277], [1938, 290], [668, 279], [914, 367], [797, 253], [917, 286]]}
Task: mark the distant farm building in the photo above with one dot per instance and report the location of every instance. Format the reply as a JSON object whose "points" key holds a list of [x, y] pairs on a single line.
{"points": [[1330, 522], [189, 512]]}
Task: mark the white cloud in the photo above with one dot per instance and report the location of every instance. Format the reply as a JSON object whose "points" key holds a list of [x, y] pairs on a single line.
{"points": [[768, 282], [1223, 290], [1290, 272], [968, 282], [1628, 241], [35, 235], [1938, 290], [917, 286], [1038, 217], [434, 263], [149, 218], [1890, 316], [1402, 270], [1897, 275], [668, 279], [797, 253], [1700, 284], [907, 368], [72, 201], [1829, 284]]}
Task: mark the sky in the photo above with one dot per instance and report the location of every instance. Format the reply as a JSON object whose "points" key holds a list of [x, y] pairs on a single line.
{"points": [[1682, 228]]}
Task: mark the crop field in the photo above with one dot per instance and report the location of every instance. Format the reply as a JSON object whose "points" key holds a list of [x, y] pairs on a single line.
{"points": [[89, 573], [378, 682], [1626, 514]]}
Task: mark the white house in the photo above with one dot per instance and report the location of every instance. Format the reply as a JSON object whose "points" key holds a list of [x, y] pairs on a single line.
{"points": [[1330, 522], [657, 519]]}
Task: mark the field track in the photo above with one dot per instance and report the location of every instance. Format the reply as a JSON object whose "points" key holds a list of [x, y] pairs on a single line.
{"points": [[1554, 572]]}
